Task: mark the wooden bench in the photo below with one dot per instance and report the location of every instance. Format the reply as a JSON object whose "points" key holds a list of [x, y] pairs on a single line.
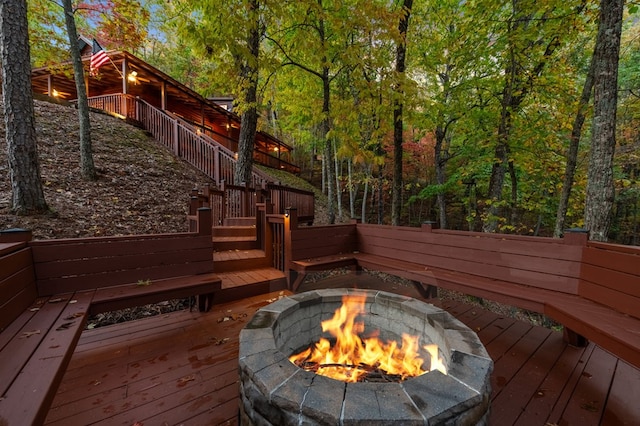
{"points": [[37, 338], [318, 248], [128, 271], [592, 289], [49, 288]]}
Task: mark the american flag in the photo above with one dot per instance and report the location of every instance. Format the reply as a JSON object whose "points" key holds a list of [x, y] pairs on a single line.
{"points": [[98, 57]]}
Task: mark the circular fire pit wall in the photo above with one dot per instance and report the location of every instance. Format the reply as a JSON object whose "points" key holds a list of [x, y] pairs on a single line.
{"points": [[274, 391]]}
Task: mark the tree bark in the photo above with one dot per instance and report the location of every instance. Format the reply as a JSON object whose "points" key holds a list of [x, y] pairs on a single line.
{"points": [[572, 153], [87, 167], [22, 151], [600, 189], [441, 158], [249, 119], [398, 105]]}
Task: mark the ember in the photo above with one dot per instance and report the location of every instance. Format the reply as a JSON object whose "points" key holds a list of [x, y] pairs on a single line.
{"points": [[352, 358]]}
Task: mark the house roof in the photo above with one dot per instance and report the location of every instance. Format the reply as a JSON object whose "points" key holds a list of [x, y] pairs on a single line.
{"points": [[150, 84]]}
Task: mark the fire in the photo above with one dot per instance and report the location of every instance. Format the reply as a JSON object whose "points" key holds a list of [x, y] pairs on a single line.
{"points": [[352, 357]]}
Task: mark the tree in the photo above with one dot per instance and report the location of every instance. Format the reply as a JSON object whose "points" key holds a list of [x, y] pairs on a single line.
{"points": [[398, 103], [572, 152], [87, 167], [212, 32], [26, 185], [249, 120], [600, 188], [315, 47]]}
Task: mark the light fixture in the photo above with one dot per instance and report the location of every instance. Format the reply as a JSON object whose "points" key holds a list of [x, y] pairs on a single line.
{"points": [[133, 77], [55, 93], [275, 148]]}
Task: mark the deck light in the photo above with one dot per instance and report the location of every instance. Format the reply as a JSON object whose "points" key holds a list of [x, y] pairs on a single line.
{"points": [[133, 77]]}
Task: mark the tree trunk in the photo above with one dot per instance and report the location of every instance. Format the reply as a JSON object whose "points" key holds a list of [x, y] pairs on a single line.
{"points": [[398, 105], [363, 213], [87, 167], [441, 177], [380, 195], [22, 150], [338, 186], [600, 190], [352, 189], [572, 153], [249, 119]]}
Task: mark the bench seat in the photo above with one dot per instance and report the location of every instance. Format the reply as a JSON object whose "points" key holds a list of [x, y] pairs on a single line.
{"points": [[615, 331], [153, 291], [34, 353], [300, 268]]}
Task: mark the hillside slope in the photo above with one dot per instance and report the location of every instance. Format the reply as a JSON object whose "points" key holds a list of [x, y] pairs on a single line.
{"points": [[141, 187]]}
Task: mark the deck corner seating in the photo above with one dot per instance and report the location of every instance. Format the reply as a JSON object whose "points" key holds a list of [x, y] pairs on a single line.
{"points": [[592, 289], [48, 289]]}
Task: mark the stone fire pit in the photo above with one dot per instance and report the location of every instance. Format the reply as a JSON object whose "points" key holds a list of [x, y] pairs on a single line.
{"points": [[274, 391]]}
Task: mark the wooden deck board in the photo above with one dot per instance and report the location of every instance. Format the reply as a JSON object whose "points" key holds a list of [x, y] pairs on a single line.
{"points": [[181, 368]]}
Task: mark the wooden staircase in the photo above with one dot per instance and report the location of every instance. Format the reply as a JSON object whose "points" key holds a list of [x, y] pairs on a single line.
{"points": [[244, 269], [237, 233]]}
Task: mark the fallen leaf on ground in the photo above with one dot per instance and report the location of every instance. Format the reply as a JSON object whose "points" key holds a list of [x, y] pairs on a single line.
{"points": [[219, 342], [64, 326], [186, 379], [57, 300], [28, 334], [590, 406], [74, 316], [232, 317]]}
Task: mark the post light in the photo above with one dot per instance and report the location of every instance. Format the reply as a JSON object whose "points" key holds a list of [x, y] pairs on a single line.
{"points": [[133, 77], [55, 93]]}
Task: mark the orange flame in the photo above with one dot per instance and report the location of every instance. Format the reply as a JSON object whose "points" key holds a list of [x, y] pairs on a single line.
{"points": [[351, 356]]}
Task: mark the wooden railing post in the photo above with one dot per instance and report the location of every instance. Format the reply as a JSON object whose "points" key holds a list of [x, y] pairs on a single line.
{"points": [[268, 232], [290, 224], [176, 147], [429, 225], [204, 221], [576, 236], [246, 200]]}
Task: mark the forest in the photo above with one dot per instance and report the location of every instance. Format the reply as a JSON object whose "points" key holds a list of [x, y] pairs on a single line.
{"points": [[480, 115]]}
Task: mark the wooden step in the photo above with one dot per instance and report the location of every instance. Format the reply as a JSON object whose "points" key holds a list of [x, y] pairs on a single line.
{"points": [[221, 244], [234, 231], [240, 221], [239, 260], [252, 282]]}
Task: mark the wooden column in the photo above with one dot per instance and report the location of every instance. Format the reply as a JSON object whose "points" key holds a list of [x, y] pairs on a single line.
{"points": [[163, 96], [290, 224], [125, 86]]}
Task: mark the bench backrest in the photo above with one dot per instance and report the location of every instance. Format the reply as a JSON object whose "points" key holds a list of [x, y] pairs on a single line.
{"points": [[317, 241], [610, 275], [69, 265], [17, 281], [546, 263]]}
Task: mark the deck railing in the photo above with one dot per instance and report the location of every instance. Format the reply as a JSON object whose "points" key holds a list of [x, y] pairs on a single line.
{"points": [[210, 156], [119, 104], [232, 201]]}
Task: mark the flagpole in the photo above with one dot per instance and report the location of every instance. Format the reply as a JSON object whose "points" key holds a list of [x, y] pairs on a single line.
{"points": [[115, 66]]}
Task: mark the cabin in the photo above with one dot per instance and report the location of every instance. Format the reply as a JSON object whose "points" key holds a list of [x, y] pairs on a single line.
{"points": [[126, 81]]}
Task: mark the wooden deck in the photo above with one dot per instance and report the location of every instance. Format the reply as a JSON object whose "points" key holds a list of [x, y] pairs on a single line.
{"points": [[181, 368]]}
